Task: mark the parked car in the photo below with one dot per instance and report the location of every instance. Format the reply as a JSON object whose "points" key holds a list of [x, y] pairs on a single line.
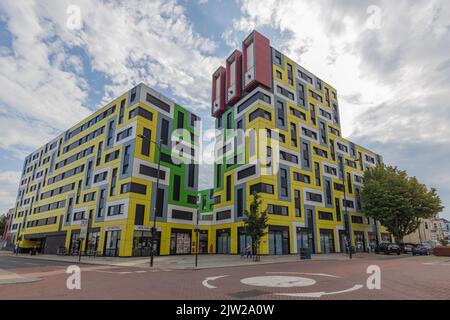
{"points": [[407, 247], [422, 249], [388, 248]]}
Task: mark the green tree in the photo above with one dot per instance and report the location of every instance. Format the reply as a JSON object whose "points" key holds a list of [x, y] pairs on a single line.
{"points": [[2, 224], [399, 202], [255, 223]]}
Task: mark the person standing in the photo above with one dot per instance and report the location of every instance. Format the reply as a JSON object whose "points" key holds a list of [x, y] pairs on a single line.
{"points": [[16, 249]]}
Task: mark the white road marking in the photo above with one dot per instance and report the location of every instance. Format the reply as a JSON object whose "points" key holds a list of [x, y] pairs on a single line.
{"points": [[278, 281], [319, 294], [307, 273], [206, 284]]}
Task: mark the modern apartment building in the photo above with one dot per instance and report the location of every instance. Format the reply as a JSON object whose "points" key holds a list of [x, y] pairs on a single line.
{"points": [[281, 138], [291, 151], [99, 179]]}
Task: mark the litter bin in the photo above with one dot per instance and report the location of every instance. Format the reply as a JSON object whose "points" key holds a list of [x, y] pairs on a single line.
{"points": [[305, 254]]}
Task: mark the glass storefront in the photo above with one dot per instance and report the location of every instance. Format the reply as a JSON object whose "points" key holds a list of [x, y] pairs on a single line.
{"points": [[343, 242], [372, 241], [278, 240], [92, 243], [360, 242], [243, 240], [142, 243], [327, 240], [180, 241], [74, 246], [112, 243], [203, 244], [305, 239], [223, 241]]}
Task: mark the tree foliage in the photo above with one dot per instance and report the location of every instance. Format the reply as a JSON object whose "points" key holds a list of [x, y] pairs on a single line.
{"points": [[2, 224], [399, 202], [255, 222]]}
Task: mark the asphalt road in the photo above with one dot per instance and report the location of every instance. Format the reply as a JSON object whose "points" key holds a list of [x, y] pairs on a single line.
{"points": [[401, 277], [11, 263]]}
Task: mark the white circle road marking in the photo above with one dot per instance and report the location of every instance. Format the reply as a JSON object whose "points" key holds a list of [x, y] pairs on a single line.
{"points": [[278, 281], [307, 273]]}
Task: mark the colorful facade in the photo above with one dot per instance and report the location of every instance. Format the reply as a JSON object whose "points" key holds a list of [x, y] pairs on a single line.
{"points": [[290, 150], [281, 137], [102, 173]]}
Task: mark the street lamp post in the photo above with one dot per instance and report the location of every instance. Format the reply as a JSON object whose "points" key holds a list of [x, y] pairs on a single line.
{"points": [[348, 220], [158, 144], [197, 244], [347, 217]]}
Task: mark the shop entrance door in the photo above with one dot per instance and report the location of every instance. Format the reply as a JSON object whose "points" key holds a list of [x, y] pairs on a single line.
{"points": [[223, 241]]}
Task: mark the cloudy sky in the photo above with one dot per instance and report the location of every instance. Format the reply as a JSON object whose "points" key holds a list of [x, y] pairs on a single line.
{"points": [[389, 60]]}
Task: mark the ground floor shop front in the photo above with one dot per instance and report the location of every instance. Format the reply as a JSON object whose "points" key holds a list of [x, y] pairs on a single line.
{"points": [[178, 239]]}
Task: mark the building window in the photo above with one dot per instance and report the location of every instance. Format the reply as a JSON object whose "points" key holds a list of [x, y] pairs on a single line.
{"points": [[139, 215], [278, 210], [306, 154], [228, 196], [293, 134], [229, 121], [283, 182], [279, 75], [115, 210], [315, 197], [176, 187], [349, 182], [261, 188], [126, 160], [247, 172], [280, 109], [317, 173], [323, 215], [338, 208], [180, 120], [328, 192], [101, 203], [121, 111], [298, 205], [219, 175], [164, 131], [159, 203], [145, 142], [240, 202], [113, 182], [313, 113]]}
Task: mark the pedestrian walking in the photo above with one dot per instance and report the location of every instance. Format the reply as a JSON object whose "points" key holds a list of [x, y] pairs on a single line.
{"points": [[16, 249], [248, 251]]}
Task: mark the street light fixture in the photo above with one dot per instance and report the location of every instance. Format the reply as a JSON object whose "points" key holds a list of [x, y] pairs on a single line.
{"points": [[157, 144]]}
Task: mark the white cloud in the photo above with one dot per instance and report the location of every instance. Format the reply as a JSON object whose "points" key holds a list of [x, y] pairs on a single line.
{"points": [[369, 67], [9, 180], [128, 42]]}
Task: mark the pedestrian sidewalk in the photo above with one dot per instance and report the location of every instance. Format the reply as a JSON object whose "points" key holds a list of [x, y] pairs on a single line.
{"points": [[183, 261]]}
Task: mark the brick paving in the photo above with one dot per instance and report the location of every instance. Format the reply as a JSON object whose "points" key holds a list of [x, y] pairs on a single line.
{"points": [[402, 277]]}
